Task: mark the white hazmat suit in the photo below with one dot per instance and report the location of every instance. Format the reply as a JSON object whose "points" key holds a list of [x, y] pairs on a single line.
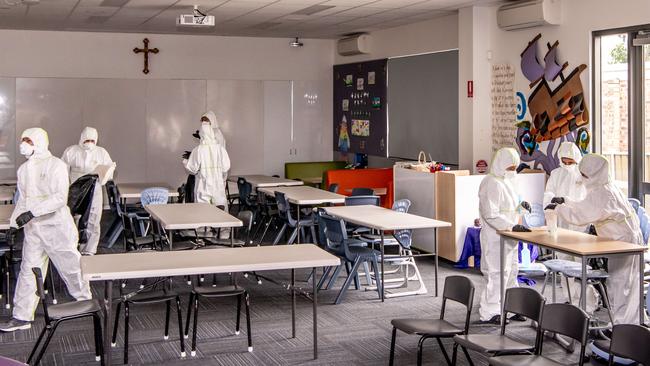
{"points": [[43, 190], [608, 209], [498, 208], [83, 159]]}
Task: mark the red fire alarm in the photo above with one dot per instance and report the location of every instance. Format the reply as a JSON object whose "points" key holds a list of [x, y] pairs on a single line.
{"points": [[470, 88], [481, 166]]}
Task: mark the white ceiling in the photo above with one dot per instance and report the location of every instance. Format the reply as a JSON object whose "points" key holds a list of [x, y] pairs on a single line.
{"points": [[261, 18]]}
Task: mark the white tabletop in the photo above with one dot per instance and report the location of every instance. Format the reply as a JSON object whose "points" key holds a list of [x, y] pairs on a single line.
{"points": [[259, 181], [133, 190], [191, 262], [7, 193], [305, 195], [184, 216], [5, 215], [383, 219]]}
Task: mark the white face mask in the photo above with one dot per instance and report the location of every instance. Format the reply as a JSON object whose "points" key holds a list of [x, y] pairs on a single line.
{"points": [[88, 145], [204, 123], [26, 149], [510, 174]]}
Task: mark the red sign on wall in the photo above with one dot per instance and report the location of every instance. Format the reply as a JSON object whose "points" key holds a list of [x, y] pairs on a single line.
{"points": [[481, 166], [470, 88]]}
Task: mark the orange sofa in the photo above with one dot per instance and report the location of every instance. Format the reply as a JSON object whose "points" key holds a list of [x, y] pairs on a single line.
{"points": [[363, 178]]}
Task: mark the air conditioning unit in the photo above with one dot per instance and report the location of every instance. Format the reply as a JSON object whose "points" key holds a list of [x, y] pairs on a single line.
{"points": [[191, 20], [527, 14], [355, 45]]}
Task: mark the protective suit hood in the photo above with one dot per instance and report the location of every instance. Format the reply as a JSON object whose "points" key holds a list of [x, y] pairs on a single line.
{"points": [[504, 158], [40, 139], [216, 131], [596, 168], [88, 133], [569, 150]]}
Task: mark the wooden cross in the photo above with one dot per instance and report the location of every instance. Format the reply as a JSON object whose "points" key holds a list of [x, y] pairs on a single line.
{"points": [[146, 51]]}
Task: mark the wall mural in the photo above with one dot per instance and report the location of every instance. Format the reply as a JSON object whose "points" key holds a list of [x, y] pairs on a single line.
{"points": [[556, 105]]}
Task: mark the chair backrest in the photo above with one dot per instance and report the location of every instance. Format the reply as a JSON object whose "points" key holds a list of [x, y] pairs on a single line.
{"points": [[283, 205], [246, 218], [335, 233], [322, 236], [568, 320], [644, 220], [523, 301], [362, 192], [113, 194], [154, 196], [244, 189], [41, 291], [402, 205], [362, 200], [403, 237], [630, 341], [459, 289], [334, 188]]}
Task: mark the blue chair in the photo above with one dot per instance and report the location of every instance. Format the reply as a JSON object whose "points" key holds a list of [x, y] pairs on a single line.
{"points": [[350, 251], [284, 212], [644, 220]]}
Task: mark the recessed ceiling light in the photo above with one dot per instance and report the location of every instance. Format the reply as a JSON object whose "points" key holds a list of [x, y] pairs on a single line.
{"points": [[296, 43]]}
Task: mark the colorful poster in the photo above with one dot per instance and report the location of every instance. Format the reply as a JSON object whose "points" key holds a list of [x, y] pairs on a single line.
{"points": [[346, 105], [348, 80], [371, 78], [344, 137], [360, 82], [361, 127]]}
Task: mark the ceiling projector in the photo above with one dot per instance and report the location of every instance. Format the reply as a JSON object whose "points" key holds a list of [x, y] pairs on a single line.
{"points": [[196, 19]]}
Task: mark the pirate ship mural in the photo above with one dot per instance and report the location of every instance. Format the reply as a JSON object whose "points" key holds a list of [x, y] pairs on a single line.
{"points": [[557, 107]]}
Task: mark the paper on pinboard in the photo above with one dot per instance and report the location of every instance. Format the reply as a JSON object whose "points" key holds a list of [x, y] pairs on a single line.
{"points": [[504, 106]]}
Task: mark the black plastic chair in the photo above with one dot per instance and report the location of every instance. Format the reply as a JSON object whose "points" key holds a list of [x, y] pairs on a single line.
{"points": [[363, 192], [245, 192], [364, 200], [457, 288], [334, 188], [564, 319], [284, 211], [351, 251], [628, 341], [147, 298], [218, 292], [56, 314], [519, 300]]}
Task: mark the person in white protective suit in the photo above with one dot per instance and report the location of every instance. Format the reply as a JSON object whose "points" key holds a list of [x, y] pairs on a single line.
{"points": [[83, 159], [210, 163], [608, 209], [566, 182], [50, 232], [499, 209]]}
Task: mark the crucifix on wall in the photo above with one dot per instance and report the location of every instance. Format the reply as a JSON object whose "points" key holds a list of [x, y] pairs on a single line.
{"points": [[146, 50]]}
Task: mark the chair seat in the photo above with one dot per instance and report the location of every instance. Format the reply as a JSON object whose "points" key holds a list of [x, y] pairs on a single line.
{"points": [[220, 291], [435, 327], [490, 343], [559, 265], [523, 360], [73, 309], [591, 274], [363, 252], [151, 297]]}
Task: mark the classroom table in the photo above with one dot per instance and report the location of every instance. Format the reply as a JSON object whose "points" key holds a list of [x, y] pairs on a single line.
{"points": [[5, 215], [191, 216], [577, 244], [134, 190], [377, 191], [304, 196], [112, 267], [260, 181], [383, 219]]}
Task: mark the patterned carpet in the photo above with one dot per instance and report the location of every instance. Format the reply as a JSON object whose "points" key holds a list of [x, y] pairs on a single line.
{"points": [[357, 332]]}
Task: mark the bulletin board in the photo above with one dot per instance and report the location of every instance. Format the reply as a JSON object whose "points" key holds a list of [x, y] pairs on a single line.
{"points": [[360, 113]]}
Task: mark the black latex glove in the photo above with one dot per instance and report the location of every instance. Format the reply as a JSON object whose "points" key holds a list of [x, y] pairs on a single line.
{"points": [[24, 218], [558, 200], [592, 230], [520, 229], [526, 206], [551, 206], [186, 154], [196, 135], [11, 235]]}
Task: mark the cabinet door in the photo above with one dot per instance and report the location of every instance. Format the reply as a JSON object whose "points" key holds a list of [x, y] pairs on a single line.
{"points": [[278, 142]]}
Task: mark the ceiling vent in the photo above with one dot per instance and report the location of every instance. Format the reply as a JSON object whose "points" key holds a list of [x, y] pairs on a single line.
{"points": [[528, 14]]}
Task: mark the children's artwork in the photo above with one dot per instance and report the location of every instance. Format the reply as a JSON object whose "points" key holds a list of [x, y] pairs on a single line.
{"points": [[557, 113], [346, 105], [361, 127], [371, 78], [376, 102], [360, 82], [348, 80], [344, 137]]}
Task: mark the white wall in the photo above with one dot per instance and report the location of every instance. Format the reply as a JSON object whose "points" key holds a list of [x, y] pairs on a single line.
{"points": [[65, 80], [580, 18]]}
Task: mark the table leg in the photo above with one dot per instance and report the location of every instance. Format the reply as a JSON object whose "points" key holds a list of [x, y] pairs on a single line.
{"points": [[108, 302], [641, 273], [297, 223], [554, 280], [314, 300], [435, 245], [381, 245], [169, 238], [502, 285], [583, 285], [293, 303]]}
